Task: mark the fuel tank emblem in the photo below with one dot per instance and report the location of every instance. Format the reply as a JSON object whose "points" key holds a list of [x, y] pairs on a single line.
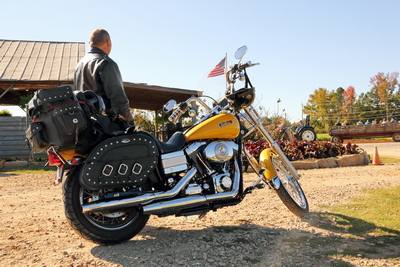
{"points": [[225, 123]]}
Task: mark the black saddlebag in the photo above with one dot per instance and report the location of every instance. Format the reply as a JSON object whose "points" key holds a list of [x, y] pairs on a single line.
{"points": [[124, 160], [57, 119]]}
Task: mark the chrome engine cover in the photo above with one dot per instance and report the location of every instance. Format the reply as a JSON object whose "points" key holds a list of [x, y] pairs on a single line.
{"points": [[220, 151], [223, 183]]}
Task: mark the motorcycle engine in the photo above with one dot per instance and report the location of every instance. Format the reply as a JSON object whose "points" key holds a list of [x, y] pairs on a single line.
{"points": [[220, 151], [214, 159]]}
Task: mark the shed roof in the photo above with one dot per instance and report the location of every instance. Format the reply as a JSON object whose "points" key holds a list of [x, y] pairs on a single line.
{"points": [[26, 66], [39, 61]]}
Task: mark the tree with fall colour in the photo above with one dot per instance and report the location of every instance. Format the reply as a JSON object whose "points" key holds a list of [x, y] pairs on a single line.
{"points": [[385, 85], [349, 99]]}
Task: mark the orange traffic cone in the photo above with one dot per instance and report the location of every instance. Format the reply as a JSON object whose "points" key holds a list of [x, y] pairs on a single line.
{"points": [[376, 160]]}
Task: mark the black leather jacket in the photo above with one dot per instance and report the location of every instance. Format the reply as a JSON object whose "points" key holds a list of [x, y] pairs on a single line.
{"points": [[96, 71]]}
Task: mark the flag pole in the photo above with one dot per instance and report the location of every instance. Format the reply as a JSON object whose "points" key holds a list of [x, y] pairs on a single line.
{"points": [[226, 67]]}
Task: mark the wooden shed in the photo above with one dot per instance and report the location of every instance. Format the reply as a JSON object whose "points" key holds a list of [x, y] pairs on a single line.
{"points": [[26, 66]]}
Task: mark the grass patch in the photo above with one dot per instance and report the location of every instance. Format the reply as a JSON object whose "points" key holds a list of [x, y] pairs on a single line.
{"points": [[376, 213], [386, 160], [31, 169], [323, 136], [327, 137]]}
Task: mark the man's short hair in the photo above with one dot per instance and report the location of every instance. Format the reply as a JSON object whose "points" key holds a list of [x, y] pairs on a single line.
{"points": [[98, 37]]}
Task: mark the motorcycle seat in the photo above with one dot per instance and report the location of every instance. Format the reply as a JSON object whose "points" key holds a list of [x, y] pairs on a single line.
{"points": [[176, 142]]}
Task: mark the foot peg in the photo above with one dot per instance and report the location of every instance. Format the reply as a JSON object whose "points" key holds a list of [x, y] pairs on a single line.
{"points": [[260, 186], [251, 188]]}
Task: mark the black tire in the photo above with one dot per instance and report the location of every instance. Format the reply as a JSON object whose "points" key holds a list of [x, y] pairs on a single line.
{"points": [[336, 139], [396, 137], [290, 191], [101, 228], [307, 134]]}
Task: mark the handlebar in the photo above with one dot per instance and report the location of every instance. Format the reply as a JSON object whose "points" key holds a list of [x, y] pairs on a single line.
{"points": [[175, 115], [182, 107], [235, 70], [242, 66], [247, 64]]}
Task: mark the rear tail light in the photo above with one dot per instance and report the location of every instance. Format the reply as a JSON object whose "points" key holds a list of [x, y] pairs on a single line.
{"points": [[54, 160]]}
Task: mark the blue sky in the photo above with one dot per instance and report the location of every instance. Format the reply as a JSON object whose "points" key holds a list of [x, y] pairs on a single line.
{"points": [[301, 45]]}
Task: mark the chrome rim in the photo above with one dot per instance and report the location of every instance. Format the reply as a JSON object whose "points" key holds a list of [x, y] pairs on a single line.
{"points": [[107, 221], [290, 183]]}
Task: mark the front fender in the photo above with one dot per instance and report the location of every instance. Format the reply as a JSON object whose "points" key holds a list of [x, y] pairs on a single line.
{"points": [[266, 163]]}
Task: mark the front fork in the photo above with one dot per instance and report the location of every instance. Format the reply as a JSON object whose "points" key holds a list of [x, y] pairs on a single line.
{"points": [[253, 115], [264, 168]]}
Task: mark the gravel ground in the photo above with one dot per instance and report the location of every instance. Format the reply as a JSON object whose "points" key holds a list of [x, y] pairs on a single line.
{"points": [[260, 231]]}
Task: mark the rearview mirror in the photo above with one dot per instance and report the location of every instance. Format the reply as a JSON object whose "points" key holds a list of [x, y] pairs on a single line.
{"points": [[169, 105], [240, 52]]}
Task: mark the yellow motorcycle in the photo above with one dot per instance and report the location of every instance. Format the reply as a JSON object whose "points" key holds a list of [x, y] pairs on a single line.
{"points": [[110, 193]]}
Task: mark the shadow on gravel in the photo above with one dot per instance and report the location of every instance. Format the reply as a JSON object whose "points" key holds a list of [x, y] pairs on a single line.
{"points": [[241, 245], [346, 237]]}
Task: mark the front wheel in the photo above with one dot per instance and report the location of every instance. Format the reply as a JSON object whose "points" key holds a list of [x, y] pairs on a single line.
{"points": [[99, 227], [290, 191]]}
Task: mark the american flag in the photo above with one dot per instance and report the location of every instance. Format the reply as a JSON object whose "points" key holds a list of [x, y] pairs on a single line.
{"points": [[219, 69]]}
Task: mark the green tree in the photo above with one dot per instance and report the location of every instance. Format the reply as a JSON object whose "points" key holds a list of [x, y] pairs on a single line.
{"points": [[337, 102], [367, 107], [23, 100], [144, 119], [321, 108]]}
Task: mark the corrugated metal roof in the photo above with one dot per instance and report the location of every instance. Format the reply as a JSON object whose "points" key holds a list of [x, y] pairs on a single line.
{"points": [[39, 61], [26, 66]]}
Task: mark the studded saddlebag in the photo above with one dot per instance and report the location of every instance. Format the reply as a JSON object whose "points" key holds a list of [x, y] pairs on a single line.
{"points": [[57, 119], [124, 160]]}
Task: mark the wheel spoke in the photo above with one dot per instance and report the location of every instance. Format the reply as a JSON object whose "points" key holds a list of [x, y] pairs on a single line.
{"points": [[110, 221], [290, 191]]}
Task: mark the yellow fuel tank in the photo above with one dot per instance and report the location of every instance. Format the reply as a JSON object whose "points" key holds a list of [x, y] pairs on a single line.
{"points": [[221, 126]]}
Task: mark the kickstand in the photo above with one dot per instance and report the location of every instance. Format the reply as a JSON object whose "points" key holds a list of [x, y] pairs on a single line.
{"points": [[256, 184], [201, 216]]}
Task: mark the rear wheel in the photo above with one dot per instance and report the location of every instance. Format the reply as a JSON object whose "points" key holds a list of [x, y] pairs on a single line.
{"points": [[99, 227], [396, 137], [336, 139], [308, 134], [290, 191]]}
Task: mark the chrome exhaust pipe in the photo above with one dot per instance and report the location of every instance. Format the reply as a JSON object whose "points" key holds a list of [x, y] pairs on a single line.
{"points": [[175, 205], [140, 200]]}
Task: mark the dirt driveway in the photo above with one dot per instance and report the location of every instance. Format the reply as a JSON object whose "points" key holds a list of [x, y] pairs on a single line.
{"points": [[258, 232], [389, 149]]}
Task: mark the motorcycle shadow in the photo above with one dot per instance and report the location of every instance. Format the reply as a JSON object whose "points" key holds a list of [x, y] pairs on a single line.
{"points": [[225, 245], [346, 236], [246, 244]]}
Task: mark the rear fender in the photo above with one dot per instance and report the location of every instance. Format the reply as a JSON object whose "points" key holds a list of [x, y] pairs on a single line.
{"points": [[266, 163]]}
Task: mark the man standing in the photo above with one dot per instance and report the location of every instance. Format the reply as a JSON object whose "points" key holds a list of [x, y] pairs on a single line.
{"points": [[98, 72]]}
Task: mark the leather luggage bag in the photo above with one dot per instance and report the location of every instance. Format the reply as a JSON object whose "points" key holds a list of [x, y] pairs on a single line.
{"points": [[57, 119]]}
